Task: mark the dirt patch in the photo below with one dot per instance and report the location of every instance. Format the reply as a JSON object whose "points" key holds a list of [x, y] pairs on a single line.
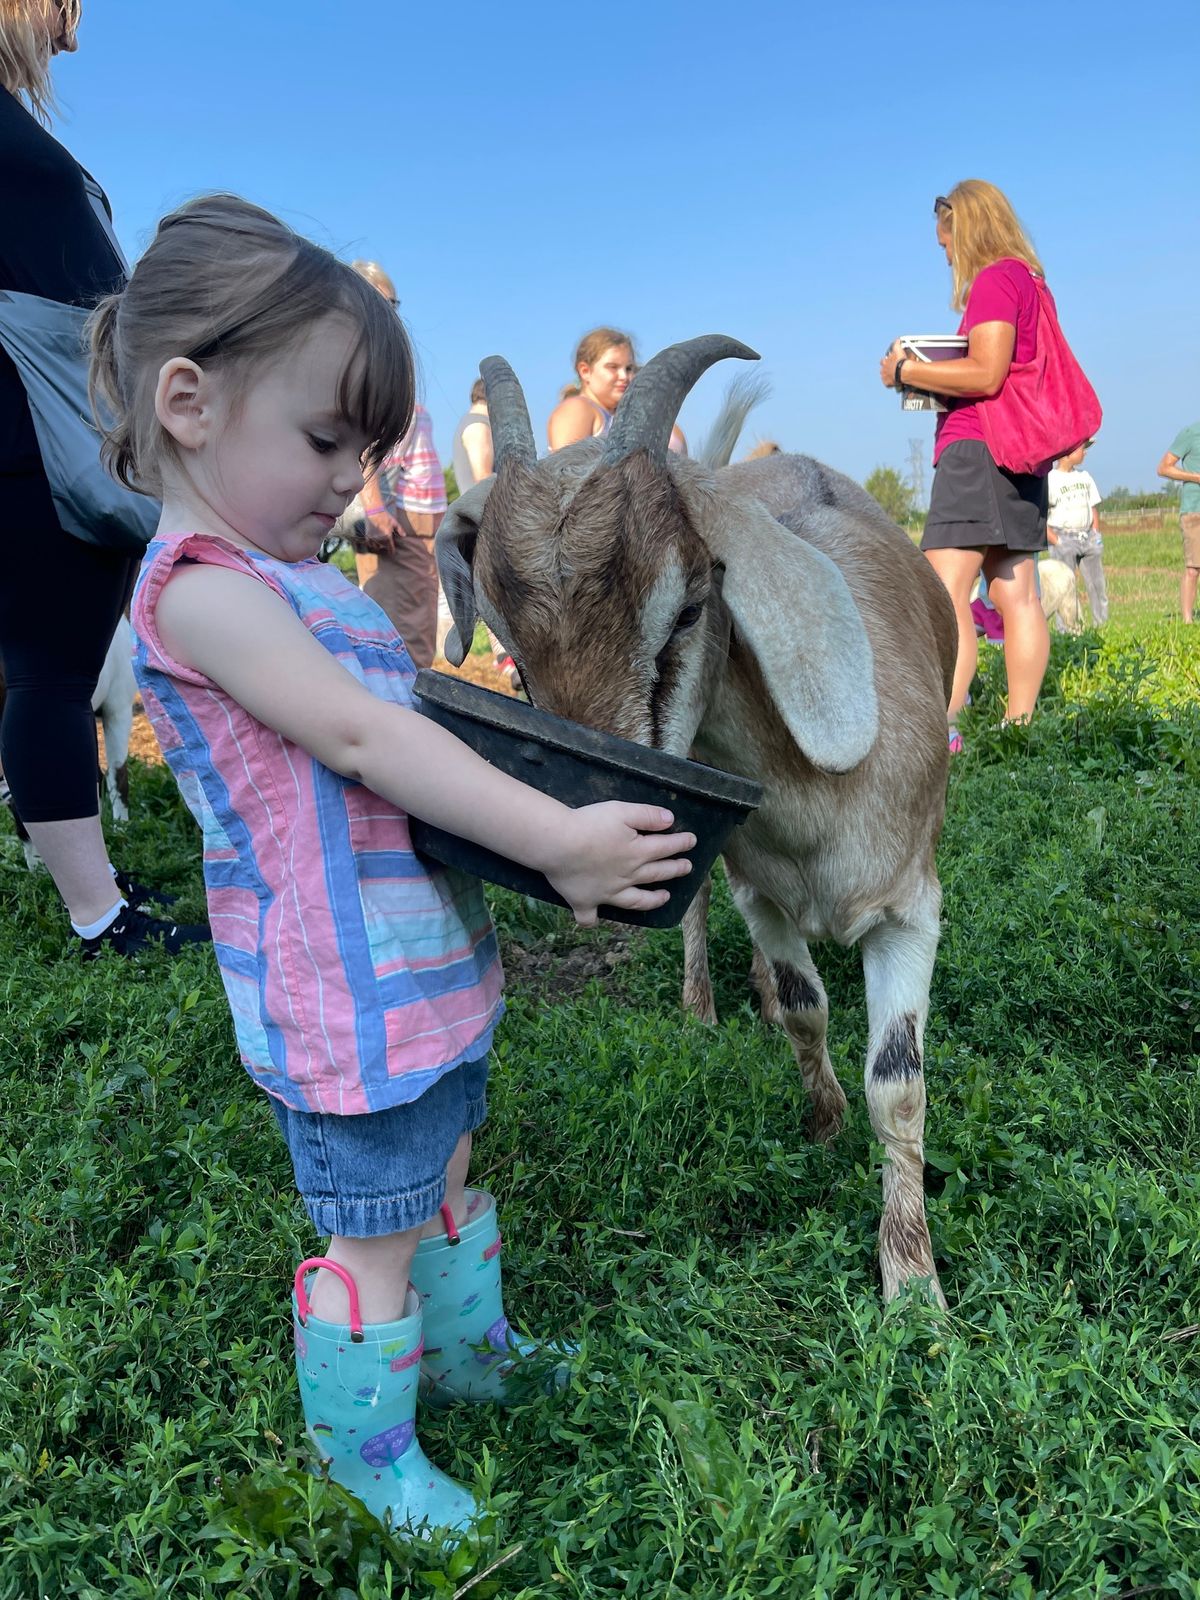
{"points": [[557, 968], [143, 746]]}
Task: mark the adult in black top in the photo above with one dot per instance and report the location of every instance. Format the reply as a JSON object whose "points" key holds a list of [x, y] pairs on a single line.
{"points": [[60, 599]]}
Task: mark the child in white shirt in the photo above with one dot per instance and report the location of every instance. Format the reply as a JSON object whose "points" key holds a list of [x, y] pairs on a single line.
{"points": [[1073, 528]]}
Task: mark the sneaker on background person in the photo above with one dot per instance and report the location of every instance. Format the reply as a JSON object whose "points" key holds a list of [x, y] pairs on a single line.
{"points": [[132, 933]]}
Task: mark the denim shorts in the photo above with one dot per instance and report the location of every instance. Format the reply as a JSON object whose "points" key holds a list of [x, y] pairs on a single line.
{"points": [[384, 1171]]}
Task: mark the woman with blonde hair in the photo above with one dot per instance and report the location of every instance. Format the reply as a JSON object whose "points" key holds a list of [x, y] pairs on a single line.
{"points": [[57, 244], [604, 365], [982, 518]]}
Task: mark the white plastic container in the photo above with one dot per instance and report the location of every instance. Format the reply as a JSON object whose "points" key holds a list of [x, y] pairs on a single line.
{"points": [[929, 347]]}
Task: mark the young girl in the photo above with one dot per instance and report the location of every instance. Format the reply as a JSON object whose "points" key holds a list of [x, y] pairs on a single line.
{"points": [[250, 376], [1073, 529]]}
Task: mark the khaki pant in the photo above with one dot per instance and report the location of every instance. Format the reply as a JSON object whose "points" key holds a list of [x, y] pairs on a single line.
{"points": [[404, 584]]}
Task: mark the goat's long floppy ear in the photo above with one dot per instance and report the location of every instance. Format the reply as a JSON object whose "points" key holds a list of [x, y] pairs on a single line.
{"points": [[454, 549], [792, 607]]}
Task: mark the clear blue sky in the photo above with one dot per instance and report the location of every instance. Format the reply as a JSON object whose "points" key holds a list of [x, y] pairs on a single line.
{"points": [[525, 171]]}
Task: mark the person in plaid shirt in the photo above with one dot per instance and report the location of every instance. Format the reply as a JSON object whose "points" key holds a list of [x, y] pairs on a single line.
{"points": [[403, 503]]}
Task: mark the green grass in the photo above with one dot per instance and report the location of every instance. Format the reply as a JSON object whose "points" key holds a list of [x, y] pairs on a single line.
{"points": [[747, 1420], [1143, 563]]}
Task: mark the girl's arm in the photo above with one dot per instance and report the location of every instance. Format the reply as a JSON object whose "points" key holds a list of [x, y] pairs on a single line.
{"points": [[477, 442], [572, 419], [977, 375], [243, 636]]}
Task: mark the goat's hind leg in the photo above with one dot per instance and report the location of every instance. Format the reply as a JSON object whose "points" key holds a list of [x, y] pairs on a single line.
{"points": [[697, 985], [898, 965], [796, 997]]}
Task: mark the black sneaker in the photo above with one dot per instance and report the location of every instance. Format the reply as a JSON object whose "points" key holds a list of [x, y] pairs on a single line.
{"points": [[132, 933], [142, 895]]}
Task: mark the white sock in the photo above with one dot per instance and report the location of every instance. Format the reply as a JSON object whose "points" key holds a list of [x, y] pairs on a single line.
{"points": [[92, 929]]}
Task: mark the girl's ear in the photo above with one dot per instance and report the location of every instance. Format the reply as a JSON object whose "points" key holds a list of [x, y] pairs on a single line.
{"points": [[182, 402]]}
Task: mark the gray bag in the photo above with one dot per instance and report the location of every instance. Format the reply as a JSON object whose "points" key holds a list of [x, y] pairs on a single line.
{"points": [[45, 340]]}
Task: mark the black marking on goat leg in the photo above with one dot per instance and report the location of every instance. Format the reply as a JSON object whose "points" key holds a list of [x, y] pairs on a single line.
{"points": [[793, 988], [897, 1056]]}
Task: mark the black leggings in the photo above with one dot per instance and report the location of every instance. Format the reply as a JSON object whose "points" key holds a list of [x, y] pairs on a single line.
{"points": [[60, 601]]}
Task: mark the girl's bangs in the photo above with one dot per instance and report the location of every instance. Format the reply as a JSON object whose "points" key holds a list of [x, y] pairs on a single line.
{"points": [[376, 393]]}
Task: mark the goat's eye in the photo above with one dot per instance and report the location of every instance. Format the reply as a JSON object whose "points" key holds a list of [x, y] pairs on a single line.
{"points": [[688, 617]]}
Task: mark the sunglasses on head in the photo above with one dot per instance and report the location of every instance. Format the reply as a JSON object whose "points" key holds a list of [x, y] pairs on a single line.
{"points": [[941, 204]]}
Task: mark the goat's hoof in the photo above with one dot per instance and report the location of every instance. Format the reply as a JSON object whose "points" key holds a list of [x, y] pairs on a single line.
{"points": [[824, 1129], [921, 1280], [702, 1007]]}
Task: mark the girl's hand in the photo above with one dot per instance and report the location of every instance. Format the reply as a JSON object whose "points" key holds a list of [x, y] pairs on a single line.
{"points": [[607, 854], [887, 367]]}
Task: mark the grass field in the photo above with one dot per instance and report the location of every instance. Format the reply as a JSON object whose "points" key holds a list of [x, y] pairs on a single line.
{"points": [[1143, 561], [746, 1420]]}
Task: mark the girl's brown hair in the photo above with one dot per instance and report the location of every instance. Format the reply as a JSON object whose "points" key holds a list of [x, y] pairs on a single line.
{"points": [[983, 228], [229, 286], [589, 350], [29, 30]]}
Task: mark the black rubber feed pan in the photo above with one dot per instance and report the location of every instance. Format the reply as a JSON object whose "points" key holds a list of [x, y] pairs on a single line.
{"points": [[578, 766]]}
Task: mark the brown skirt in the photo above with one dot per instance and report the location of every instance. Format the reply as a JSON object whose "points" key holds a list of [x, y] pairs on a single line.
{"points": [[977, 505]]}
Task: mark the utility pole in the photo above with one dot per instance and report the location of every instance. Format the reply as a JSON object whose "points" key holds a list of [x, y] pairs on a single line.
{"points": [[916, 471]]}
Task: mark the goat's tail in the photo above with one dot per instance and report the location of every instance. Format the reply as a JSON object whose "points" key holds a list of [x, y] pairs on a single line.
{"points": [[746, 391]]}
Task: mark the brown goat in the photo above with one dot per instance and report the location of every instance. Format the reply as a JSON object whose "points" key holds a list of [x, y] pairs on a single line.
{"points": [[771, 621]]}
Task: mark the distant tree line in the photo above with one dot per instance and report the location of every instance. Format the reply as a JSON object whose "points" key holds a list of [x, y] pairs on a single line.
{"points": [[1119, 498]]}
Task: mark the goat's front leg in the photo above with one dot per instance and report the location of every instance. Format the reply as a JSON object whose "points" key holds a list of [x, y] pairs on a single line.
{"points": [[118, 726], [793, 995], [762, 981], [898, 965], [697, 985]]}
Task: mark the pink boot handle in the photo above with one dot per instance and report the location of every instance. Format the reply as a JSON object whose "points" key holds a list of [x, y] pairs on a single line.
{"points": [[302, 1306]]}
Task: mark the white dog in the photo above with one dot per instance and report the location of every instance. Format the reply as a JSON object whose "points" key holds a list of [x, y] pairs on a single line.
{"points": [[113, 704], [1060, 596]]}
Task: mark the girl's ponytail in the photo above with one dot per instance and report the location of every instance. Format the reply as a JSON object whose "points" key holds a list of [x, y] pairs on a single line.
{"points": [[104, 392]]}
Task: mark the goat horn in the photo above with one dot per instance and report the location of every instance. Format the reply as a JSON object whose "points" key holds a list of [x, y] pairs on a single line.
{"points": [[512, 433], [650, 405]]}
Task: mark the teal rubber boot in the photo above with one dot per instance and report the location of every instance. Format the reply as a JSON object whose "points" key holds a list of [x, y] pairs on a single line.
{"points": [[358, 1387], [471, 1353]]}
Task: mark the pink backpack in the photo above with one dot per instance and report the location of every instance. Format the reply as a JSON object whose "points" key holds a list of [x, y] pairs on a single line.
{"points": [[1046, 406]]}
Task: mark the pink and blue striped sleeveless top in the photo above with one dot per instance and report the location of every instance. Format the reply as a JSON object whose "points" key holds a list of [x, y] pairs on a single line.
{"points": [[357, 975]]}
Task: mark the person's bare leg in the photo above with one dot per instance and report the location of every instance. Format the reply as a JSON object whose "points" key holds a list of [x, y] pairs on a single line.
{"points": [[958, 570], [380, 1266], [1187, 591], [77, 859], [456, 1188], [1026, 636], [380, 1269]]}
